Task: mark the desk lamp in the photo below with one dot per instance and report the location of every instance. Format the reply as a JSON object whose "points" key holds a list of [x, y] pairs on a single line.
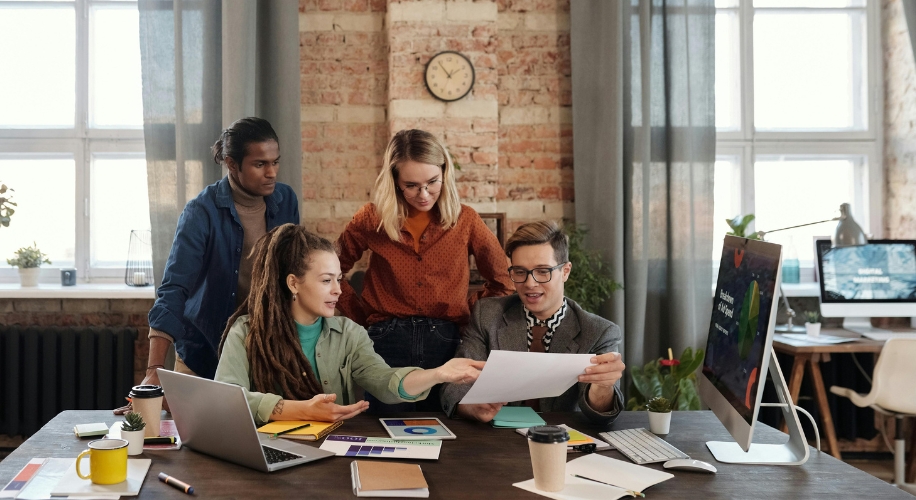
{"points": [[847, 234]]}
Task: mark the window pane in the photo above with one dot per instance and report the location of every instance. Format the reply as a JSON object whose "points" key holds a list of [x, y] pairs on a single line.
{"points": [[38, 57], [811, 4], [728, 66], [120, 203], [45, 193], [114, 71], [793, 191], [728, 202], [809, 70]]}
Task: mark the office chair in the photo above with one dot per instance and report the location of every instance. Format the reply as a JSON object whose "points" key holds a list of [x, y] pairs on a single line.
{"points": [[892, 394]]}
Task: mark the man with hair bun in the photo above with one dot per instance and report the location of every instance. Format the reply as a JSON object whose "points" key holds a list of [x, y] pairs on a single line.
{"points": [[208, 272], [542, 319]]}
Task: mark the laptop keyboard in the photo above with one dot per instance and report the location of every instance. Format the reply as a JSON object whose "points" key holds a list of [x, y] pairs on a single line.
{"points": [[275, 456]]}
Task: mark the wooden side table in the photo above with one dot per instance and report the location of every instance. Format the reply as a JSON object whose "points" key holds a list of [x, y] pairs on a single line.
{"points": [[810, 355]]}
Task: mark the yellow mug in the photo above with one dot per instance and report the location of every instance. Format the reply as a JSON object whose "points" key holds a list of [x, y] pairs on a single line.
{"points": [[107, 461]]}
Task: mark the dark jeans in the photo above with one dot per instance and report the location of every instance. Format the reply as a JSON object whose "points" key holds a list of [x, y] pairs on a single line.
{"points": [[416, 341]]}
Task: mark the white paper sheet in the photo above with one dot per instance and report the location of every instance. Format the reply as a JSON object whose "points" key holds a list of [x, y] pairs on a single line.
{"points": [[577, 489], [823, 339], [626, 475], [516, 376]]}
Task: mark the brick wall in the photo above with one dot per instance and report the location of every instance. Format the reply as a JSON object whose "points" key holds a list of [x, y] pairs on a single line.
{"points": [[84, 312], [899, 123], [362, 65]]}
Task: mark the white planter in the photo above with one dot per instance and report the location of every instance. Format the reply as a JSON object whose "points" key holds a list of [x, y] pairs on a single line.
{"points": [[659, 423], [29, 276], [813, 329], [134, 441]]}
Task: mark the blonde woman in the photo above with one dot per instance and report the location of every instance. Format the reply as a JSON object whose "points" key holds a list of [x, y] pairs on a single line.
{"points": [[415, 293]]}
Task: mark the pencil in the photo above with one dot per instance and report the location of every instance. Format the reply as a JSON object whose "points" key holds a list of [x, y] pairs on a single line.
{"points": [[634, 493], [290, 430]]}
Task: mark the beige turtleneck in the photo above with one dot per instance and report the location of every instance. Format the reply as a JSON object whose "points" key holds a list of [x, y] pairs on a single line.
{"points": [[252, 212]]}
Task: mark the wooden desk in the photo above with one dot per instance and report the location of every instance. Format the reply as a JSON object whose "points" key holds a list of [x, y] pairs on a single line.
{"points": [[482, 463], [809, 355]]}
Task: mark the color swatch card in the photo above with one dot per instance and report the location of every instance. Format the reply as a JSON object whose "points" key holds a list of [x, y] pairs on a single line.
{"points": [[370, 447], [416, 428], [20, 480], [515, 417]]}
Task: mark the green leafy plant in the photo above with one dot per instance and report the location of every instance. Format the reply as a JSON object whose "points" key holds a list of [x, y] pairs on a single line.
{"points": [[812, 317], [28, 257], [672, 379], [739, 226], [133, 422], [590, 282], [6, 205], [659, 404]]}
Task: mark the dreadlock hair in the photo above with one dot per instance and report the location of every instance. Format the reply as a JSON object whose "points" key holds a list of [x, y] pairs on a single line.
{"points": [[274, 352]]}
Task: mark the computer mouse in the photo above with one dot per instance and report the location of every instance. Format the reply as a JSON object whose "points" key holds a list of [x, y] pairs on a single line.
{"points": [[690, 464]]}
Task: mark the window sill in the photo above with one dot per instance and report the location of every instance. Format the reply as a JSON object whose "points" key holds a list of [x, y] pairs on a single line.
{"points": [[79, 291], [810, 289]]}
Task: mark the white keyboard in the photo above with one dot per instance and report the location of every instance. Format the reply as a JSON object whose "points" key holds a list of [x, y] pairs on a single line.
{"points": [[641, 446], [889, 335]]}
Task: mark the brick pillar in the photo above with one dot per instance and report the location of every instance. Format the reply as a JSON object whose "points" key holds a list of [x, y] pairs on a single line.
{"points": [[535, 115], [344, 67], [419, 29]]}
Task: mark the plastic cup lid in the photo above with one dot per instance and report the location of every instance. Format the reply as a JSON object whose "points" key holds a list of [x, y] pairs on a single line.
{"points": [[146, 391], [548, 434]]}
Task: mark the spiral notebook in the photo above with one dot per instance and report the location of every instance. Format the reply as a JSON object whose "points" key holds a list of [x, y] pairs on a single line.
{"points": [[315, 431]]}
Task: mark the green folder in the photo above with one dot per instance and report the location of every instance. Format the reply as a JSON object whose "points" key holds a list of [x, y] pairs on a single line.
{"points": [[517, 417]]}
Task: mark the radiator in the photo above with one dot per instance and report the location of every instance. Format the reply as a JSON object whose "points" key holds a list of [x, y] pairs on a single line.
{"points": [[46, 370]]}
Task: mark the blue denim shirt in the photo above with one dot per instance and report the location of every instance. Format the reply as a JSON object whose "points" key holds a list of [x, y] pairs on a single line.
{"points": [[199, 284]]}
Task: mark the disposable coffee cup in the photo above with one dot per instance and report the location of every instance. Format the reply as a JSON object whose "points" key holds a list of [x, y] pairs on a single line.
{"points": [[147, 401], [547, 444]]}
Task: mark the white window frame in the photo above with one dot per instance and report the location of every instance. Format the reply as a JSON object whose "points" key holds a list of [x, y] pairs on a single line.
{"points": [[747, 143], [81, 142]]}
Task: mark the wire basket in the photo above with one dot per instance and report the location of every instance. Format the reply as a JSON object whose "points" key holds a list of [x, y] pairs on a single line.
{"points": [[139, 269]]}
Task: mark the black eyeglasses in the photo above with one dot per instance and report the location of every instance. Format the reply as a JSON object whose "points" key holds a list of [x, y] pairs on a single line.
{"points": [[540, 274]]}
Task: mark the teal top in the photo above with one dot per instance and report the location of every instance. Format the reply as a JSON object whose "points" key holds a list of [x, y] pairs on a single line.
{"points": [[344, 358], [308, 338]]}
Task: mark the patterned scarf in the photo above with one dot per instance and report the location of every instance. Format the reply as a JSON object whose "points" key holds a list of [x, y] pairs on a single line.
{"points": [[552, 323]]}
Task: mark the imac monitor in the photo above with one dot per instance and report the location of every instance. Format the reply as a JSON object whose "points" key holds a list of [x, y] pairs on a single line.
{"points": [[738, 348], [877, 279]]}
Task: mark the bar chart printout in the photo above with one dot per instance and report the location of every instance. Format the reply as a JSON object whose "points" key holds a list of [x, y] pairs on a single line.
{"points": [[369, 447]]}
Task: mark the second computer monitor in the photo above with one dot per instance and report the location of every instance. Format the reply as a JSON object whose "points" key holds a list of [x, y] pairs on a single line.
{"points": [[877, 279]]}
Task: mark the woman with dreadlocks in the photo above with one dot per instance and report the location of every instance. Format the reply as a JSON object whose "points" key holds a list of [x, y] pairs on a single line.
{"points": [[296, 360]]}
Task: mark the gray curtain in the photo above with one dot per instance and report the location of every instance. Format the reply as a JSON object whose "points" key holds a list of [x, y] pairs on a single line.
{"points": [[205, 64], [643, 74]]}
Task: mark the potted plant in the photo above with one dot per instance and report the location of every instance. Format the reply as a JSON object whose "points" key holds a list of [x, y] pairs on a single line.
{"points": [[659, 410], [812, 323], [6, 205], [739, 226], [28, 260], [132, 430], [672, 379], [590, 282]]}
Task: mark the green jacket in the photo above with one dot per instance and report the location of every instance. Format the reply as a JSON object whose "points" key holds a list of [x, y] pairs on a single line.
{"points": [[345, 358]]}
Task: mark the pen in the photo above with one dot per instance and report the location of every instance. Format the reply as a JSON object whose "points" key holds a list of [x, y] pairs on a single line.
{"points": [[176, 483], [274, 435], [159, 440], [634, 493]]}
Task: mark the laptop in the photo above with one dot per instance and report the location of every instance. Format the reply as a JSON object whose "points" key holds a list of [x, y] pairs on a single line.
{"points": [[213, 418]]}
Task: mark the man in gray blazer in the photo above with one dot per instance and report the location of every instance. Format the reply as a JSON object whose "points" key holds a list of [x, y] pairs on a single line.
{"points": [[542, 319]]}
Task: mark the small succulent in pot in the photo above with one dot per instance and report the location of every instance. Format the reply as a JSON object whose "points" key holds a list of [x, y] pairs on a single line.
{"points": [[659, 405], [812, 317], [133, 422]]}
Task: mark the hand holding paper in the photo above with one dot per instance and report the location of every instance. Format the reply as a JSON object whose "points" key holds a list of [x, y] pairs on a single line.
{"points": [[517, 376]]}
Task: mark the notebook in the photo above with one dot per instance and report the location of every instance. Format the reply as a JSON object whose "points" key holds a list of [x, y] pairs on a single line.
{"points": [[90, 430], [387, 479], [314, 432], [515, 417], [597, 477], [576, 439]]}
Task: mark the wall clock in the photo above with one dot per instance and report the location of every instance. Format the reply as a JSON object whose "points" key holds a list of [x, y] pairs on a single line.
{"points": [[449, 76]]}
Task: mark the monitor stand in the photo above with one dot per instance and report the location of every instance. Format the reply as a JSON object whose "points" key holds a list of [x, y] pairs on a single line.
{"points": [[861, 326], [794, 452]]}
